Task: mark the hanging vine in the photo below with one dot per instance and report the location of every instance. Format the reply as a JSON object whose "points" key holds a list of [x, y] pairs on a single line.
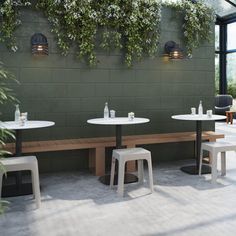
{"points": [[128, 24], [132, 26], [9, 21], [198, 19]]}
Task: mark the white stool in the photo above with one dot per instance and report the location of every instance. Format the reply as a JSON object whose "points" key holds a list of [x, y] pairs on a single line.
{"points": [[23, 163], [130, 154], [214, 148]]}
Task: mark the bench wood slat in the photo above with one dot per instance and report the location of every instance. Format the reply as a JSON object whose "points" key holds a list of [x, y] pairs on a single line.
{"points": [[97, 145]]}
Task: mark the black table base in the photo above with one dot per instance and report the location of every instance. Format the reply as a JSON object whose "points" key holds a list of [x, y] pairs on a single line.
{"points": [[193, 170], [129, 178], [14, 190]]}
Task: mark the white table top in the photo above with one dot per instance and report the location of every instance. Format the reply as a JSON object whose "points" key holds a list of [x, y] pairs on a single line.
{"points": [[118, 121], [203, 117], [30, 124]]}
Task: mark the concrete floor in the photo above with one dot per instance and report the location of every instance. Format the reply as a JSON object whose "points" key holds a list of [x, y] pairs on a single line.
{"points": [[77, 204]]}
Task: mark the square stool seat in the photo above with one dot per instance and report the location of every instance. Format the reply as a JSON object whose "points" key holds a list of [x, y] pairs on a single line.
{"points": [[214, 148], [20, 164], [130, 154]]}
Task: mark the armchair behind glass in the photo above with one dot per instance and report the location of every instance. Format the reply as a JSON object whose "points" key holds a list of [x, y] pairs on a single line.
{"points": [[223, 103]]}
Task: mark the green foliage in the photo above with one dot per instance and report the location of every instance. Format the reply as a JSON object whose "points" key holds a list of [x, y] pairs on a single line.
{"points": [[9, 21], [6, 95], [197, 24], [231, 89], [130, 25]]}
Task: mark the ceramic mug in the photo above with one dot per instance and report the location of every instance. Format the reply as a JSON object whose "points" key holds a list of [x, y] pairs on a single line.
{"points": [[193, 111], [112, 113], [209, 113]]}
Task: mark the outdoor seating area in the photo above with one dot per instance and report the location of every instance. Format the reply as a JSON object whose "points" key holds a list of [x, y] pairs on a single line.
{"points": [[117, 117]]}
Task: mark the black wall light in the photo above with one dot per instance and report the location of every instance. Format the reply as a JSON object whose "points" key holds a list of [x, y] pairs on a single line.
{"points": [[173, 51], [39, 44]]}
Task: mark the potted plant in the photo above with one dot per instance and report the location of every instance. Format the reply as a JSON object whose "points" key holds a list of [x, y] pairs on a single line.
{"points": [[6, 95]]}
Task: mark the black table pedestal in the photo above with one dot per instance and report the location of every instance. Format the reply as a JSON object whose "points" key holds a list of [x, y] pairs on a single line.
{"points": [[129, 178], [194, 169]]}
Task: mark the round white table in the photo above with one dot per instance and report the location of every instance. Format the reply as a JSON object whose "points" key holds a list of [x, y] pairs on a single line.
{"points": [[193, 169], [20, 188], [118, 122]]}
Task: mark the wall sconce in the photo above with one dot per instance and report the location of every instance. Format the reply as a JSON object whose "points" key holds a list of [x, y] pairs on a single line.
{"points": [[173, 51], [39, 44]]}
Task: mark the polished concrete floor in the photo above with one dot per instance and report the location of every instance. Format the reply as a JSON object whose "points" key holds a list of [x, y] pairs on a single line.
{"points": [[77, 204]]}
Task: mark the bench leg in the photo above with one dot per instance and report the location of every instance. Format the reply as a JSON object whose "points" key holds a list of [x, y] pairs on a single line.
{"points": [[131, 165], [97, 160], [227, 118]]}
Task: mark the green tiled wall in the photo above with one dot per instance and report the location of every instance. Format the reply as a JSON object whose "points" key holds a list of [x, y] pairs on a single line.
{"points": [[68, 92]]}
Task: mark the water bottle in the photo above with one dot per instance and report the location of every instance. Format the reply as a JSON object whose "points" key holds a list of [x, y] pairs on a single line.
{"points": [[200, 109], [17, 113], [106, 111]]}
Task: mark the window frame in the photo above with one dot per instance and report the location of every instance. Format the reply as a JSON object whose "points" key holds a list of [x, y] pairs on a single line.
{"points": [[223, 52]]}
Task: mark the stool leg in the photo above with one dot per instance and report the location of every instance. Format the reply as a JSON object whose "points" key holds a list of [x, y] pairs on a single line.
{"points": [[1, 174], [121, 176], [149, 161], [113, 165], [223, 163], [35, 185], [214, 167], [200, 164], [140, 171]]}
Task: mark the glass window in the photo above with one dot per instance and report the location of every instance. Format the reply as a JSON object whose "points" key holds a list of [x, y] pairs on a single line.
{"points": [[222, 8], [217, 37], [231, 74], [231, 35], [217, 74]]}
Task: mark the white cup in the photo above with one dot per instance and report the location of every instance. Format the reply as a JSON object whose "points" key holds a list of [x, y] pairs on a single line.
{"points": [[22, 120], [25, 115], [209, 113], [112, 113], [131, 115], [193, 111]]}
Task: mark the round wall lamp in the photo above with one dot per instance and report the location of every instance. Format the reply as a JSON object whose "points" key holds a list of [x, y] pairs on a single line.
{"points": [[39, 44], [173, 51]]}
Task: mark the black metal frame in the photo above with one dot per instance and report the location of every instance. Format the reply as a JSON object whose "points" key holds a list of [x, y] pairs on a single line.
{"points": [[223, 23]]}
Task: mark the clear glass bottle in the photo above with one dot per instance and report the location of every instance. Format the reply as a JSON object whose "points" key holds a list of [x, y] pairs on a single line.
{"points": [[17, 113], [106, 111], [200, 109]]}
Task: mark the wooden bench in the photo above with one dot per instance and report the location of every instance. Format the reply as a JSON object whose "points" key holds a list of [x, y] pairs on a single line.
{"points": [[96, 146]]}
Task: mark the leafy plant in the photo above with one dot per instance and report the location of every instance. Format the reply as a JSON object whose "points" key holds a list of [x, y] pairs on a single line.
{"points": [[9, 21], [231, 89], [129, 25], [6, 95], [198, 19]]}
